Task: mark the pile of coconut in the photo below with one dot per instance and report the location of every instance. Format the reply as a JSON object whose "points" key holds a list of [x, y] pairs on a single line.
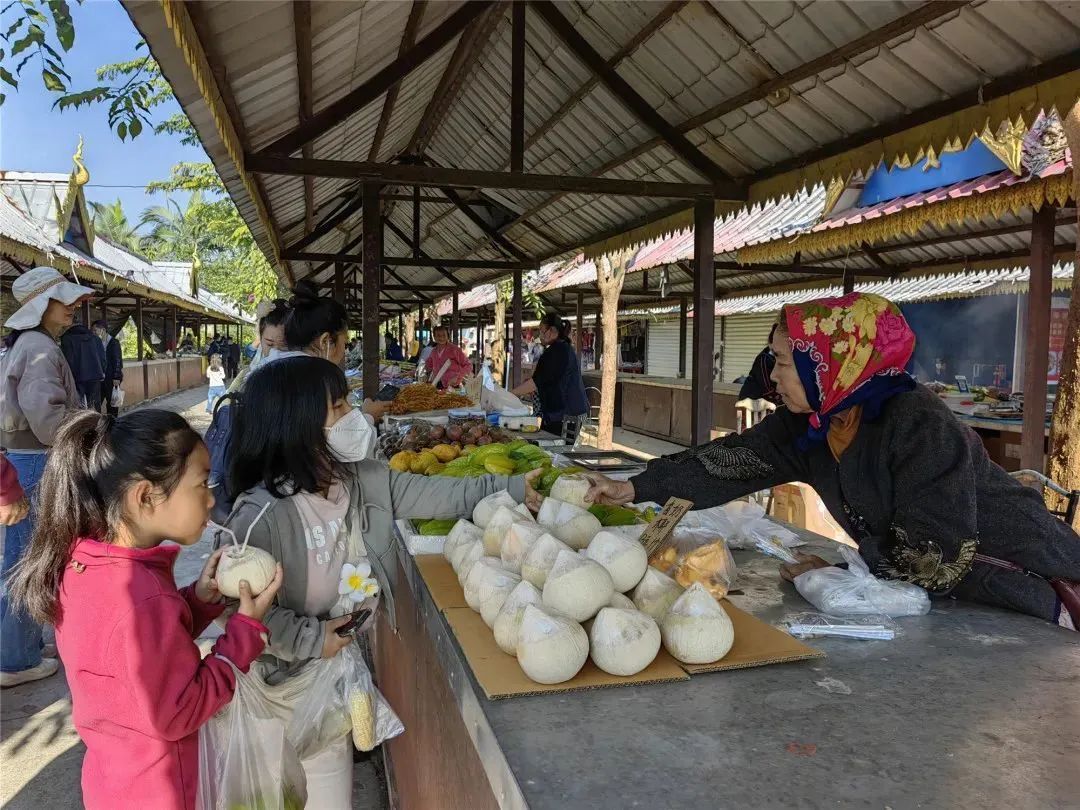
{"points": [[559, 588]]}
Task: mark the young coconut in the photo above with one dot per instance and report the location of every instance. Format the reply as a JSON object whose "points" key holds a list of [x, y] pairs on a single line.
{"points": [[573, 525], [497, 528], [577, 587], [250, 563], [463, 530], [621, 601], [519, 539], [484, 510], [538, 560], [495, 585], [623, 642], [631, 532], [508, 622], [551, 648], [457, 554], [467, 557], [697, 630], [571, 489], [626, 560], [481, 569], [523, 510], [656, 593]]}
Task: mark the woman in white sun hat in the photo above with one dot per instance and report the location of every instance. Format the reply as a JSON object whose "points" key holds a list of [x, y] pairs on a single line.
{"points": [[37, 392]]}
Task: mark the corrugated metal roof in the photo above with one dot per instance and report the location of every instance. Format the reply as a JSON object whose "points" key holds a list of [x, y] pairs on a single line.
{"points": [[704, 55]]}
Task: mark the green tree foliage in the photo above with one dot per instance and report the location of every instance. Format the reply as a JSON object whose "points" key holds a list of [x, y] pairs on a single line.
{"points": [[30, 29], [111, 222]]}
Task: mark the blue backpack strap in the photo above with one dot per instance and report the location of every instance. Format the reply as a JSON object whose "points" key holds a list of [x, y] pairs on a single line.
{"points": [[218, 438]]}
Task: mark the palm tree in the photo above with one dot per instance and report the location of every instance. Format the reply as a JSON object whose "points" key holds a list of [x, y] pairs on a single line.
{"points": [[181, 234], [112, 223]]}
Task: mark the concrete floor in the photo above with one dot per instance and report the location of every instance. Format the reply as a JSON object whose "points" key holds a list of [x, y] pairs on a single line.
{"points": [[40, 753]]}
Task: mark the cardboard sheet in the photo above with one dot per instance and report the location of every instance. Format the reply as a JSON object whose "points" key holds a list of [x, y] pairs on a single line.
{"points": [[757, 644], [441, 581], [500, 676]]}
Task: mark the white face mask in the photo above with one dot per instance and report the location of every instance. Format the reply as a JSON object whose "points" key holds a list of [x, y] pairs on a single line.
{"points": [[351, 438]]}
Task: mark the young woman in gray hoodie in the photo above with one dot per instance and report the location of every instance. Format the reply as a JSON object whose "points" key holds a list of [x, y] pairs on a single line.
{"points": [[306, 493]]}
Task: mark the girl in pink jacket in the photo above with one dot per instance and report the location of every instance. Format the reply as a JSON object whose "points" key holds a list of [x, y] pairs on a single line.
{"points": [[113, 491]]}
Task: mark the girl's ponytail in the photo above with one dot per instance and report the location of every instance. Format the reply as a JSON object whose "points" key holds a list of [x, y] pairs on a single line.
{"points": [[94, 461]]}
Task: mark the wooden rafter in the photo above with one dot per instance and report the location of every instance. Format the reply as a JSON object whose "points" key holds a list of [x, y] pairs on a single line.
{"points": [[755, 269], [332, 221], [517, 87], [408, 39], [414, 247], [626, 94], [409, 261], [337, 111], [498, 239], [302, 32]]}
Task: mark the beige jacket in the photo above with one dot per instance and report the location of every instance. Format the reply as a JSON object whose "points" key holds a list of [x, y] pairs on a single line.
{"points": [[36, 392]]}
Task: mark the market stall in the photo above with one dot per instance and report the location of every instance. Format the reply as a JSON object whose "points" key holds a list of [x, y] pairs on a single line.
{"points": [[753, 737]]}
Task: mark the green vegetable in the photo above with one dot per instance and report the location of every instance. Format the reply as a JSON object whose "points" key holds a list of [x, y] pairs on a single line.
{"points": [[614, 515], [552, 475], [436, 527]]}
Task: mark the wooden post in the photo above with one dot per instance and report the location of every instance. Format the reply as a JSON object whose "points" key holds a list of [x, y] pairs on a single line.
{"points": [[479, 337], [86, 313], [682, 336], [1037, 340], [416, 222], [373, 244], [701, 385], [401, 333], [139, 327], [339, 282], [849, 281], [455, 336], [515, 337], [580, 324]]}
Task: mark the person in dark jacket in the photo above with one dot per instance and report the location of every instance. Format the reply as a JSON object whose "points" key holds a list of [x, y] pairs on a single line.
{"points": [[557, 377], [86, 357], [214, 347], [114, 365], [393, 349], [232, 359], [910, 483], [758, 383]]}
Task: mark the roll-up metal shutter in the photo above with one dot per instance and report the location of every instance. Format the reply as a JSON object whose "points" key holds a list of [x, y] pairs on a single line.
{"points": [[662, 356], [744, 338]]}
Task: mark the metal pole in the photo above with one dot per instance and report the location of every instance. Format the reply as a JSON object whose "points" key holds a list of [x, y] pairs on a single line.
{"points": [[373, 232], [515, 338], [701, 384], [454, 324], [580, 323], [1037, 340]]}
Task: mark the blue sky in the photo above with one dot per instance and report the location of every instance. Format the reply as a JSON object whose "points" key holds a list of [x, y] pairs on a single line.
{"points": [[36, 137]]}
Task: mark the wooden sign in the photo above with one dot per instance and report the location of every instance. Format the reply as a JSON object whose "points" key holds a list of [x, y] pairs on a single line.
{"points": [[656, 536]]}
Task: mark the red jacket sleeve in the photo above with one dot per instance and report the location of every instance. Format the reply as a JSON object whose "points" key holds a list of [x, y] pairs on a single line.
{"points": [[172, 687], [201, 613], [10, 489]]}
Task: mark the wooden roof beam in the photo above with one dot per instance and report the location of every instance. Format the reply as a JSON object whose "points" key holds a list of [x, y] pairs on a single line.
{"points": [[408, 39], [630, 98], [329, 223], [415, 248], [517, 87], [338, 111], [497, 238], [414, 175], [302, 32]]}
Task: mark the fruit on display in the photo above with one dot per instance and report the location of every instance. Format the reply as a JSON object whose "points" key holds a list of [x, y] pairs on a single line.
{"points": [[498, 526], [623, 642], [697, 630], [539, 559], [576, 586], [625, 559], [573, 525], [463, 530], [619, 600], [616, 515], [436, 527], [551, 648], [244, 562], [493, 590], [571, 489], [519, 538], [508, 622], [467, 555], [420, 397], [480, 570], [656, 593], [419, 435], [485, 508]]}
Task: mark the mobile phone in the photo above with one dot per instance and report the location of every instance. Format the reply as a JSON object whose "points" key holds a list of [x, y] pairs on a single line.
{"points": [[355, 620], [387, 393]]}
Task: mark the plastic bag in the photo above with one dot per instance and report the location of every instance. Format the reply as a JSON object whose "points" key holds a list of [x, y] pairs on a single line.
{"points": [[710, 564], [499, 399], [245, 757], [703, 526], [872, 627], [116, 398], [857, 592], [340, 698], [750, 527]]}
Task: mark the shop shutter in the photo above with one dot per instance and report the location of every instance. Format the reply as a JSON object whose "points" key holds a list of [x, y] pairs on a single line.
{"points": [[662, 358], [745, 337]]}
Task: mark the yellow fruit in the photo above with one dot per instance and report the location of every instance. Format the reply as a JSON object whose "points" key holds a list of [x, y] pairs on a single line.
{"points": [[401, 461], [468, 449], [423, 460], [499, 465], [444, 452], [435, 468]]}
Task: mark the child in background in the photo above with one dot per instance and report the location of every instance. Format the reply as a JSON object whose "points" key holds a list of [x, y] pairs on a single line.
{"points": [[113, 491], [216, 374]]}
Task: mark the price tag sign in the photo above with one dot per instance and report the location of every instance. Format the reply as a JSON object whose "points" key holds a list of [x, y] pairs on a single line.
{"points": [[656, 536]]}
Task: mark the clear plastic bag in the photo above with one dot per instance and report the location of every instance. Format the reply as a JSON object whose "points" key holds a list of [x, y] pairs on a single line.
{"points": [[752, 529], [872, 627], [245, 757], [116, 398], [340, 697], [711, 564], [857, 592]]}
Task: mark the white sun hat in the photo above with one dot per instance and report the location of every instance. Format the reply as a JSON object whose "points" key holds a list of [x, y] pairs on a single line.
{"points": [[35, 288]]}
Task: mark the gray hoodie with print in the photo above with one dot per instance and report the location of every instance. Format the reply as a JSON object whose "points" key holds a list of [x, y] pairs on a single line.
{"points": [[377, 497]]}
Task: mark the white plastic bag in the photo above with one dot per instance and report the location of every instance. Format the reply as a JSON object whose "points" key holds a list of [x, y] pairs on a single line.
{"points": [[116, 398], [340, 697], [857, 592], [750, 527], [703, 526], [245, 757], [499, 399]]}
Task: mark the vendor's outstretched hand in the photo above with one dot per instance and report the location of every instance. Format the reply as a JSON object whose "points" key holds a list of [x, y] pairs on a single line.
{"points": [[533, 499], [608, 491], [806, 562]]}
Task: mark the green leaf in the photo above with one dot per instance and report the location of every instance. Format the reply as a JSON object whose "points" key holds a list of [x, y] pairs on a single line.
{"points": [[57, 68], [121, 130], [136, 127], [27, 58], [52, 81], [65, 28], [23, 44], [2, 97], [7, 77], [15, 26]]}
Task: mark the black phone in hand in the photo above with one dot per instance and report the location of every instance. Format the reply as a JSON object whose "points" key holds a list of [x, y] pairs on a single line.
{"points": [[355, 620]]}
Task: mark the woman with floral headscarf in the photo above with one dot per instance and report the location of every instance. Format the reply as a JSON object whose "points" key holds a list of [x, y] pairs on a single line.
{"points": [[893, 465]]}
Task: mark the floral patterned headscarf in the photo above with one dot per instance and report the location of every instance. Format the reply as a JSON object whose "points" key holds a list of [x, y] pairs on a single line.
{"points": [[849, 351]]}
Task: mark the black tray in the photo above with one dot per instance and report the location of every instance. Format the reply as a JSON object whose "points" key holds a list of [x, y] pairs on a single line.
{"points": [[604, 460]]}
